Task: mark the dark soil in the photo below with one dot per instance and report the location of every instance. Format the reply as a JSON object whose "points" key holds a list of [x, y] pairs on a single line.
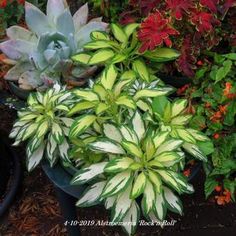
{"points": [[36, 211]]}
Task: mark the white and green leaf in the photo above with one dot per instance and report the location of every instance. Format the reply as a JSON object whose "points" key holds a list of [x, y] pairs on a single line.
{"points": [[88, 173]]}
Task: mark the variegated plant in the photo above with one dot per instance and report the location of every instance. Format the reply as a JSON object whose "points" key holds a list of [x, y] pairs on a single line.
{"points": [[122, 48], [172, 117], [141, 164], [44, 123], [109, 99], [42, 52]]}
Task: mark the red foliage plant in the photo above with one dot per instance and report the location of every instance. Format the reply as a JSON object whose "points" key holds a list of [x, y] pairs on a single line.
{"points": [[190, 26]]}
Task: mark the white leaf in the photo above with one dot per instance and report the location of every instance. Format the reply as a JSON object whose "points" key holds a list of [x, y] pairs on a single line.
{"points": [[112, 132], [138, 125], [117, 183], [123, 203], [174, 203], [107, 146], [34, 159], [91, 195], [169, 145], [131, 219]]}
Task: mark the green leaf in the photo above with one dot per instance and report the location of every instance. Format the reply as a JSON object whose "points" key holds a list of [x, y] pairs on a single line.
{"points": [[29, 131], [128, 75], [117, 183], [99, 35], [100, 91], [141, 70], [42, 129], [82, 58], [88, 173], [181, 120], [81, 124], [159, 105], [178, 106], [118, 58], [156, 181], [185, 135], [162, 54], [209, 186], [132, 148], [80, 106], [109, 76], [149, 93], [86, 95], [223, 71], [91, 195], [206, 147], [139, 185], [126, 101], [130, 28], [97, 44], [101, 56], [231, 56], [168, 158], [118, 164], [159, 138], [119, 33], [120, 86], [101, 107]]}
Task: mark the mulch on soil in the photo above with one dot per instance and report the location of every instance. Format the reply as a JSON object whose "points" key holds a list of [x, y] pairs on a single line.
{"points": [[36, 211]]}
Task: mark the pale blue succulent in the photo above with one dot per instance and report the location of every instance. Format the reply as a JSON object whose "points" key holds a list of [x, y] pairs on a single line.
{"points": [[42, 52]]}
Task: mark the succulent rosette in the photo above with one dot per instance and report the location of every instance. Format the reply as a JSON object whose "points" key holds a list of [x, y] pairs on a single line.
{"points": [[41, 52]]}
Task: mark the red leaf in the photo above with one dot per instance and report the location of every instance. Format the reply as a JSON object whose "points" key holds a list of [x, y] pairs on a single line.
{"points": [[228, 4], [179, 7], [127, 18], [204, 22], [210, 4], [154, 31], [146, 6], [186, 61]]}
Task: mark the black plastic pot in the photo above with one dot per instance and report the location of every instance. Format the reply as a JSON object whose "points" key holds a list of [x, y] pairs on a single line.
{"points": [[10, 171], [175, 81], [61, 175], [18, 92]]}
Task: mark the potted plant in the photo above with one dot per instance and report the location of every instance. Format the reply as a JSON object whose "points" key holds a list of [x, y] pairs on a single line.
{"points": [[41, 53], [10, 169], [127, 139], [189, 26], [213, 97]]}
